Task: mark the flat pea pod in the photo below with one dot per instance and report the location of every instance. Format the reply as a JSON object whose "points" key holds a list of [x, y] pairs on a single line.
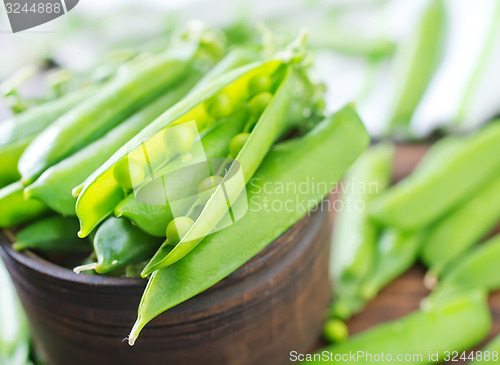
{"points": [[14, 336], [17, 132], [153, 219], [416, 63], [412, 203], [117, 244], [14, 209], [476, 268], [54, 187], [462, 228], [53, 235], [354, 234], [270, 126], [102, 186], [456, 324], [106, 108], [336, 142], [490, 354]]}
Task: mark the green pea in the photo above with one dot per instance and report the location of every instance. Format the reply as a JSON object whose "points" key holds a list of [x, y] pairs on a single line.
{"points": [[259, 102], [179, 139], [335, 331], [178, 228], [237, 143], [219, 107], [206, 186], [259, 84], [129, 173]]}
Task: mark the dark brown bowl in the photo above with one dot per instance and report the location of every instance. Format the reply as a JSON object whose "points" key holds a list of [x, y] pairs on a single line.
{"points": [[274, 304]]}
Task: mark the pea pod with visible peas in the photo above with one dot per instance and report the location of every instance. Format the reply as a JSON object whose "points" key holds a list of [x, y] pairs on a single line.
{"points": [[354, 234], [14, 209], [271, 125], [109, 106], [464, 227], [17, 132], [456, 324], [337, 142], [412, 203], [153, 219], [117, 244], [54, 234], [476, 268], [54, 187]]}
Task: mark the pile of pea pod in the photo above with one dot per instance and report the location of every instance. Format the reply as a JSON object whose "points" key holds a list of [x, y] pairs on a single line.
{"points": [[443, 214], [78, 163]]}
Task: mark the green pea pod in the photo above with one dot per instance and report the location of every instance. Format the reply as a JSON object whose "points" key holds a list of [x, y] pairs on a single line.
{"points": [[14, 209], [153, 219], [355, 235], [17, 132], [103, 187], [477, 268], [54, 235], [109, 106], [117, 244], [422, 198], [14, 336], [464, 227], [54, 187], [417, 62], [457, 324], [490, 354], [270, 126], [336, 142], [396, 252]]}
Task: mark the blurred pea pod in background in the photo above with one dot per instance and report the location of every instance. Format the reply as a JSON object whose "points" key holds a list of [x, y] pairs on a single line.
{"points": [[14, 334]]}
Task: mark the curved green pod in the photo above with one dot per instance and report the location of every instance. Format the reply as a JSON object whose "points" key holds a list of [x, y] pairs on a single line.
{"points": [[108, 106], [270, 126], [53, 235], [355, 235], [117, 244], [476, 268], [456, 324], [54, 187], [424, 197], [17, 132], [462, 228], [490, 354], [336, 142], [153, 219], [102, 192], [15, 209], [417, 62]]}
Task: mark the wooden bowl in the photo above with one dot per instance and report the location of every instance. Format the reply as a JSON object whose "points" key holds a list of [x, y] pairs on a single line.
{"points": [[274, 304]]}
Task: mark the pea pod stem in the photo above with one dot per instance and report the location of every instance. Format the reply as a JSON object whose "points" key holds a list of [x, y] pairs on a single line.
{"points": [[337, 142]]}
